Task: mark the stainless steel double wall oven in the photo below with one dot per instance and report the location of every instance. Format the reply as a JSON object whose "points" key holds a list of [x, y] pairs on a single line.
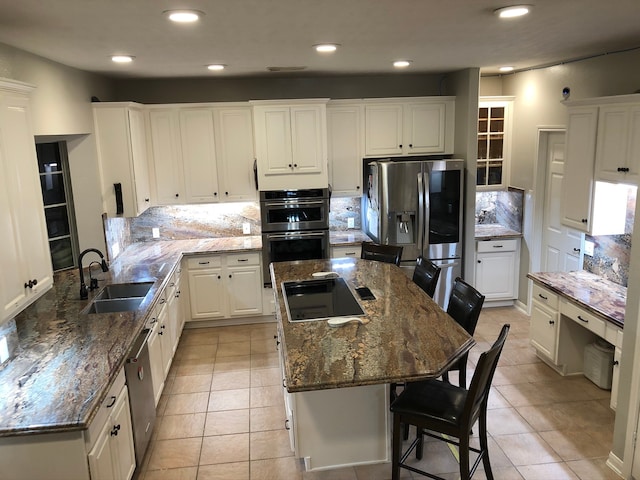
{"points": [[295, 226]]}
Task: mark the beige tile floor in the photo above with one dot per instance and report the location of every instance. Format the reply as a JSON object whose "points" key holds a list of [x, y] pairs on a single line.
{"points": [[221, 415]]}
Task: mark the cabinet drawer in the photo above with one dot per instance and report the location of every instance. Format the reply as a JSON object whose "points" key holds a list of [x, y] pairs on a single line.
{"points": [[204, 261], [240, 259], [544, 296], [352, 251], [584, 318], [498, 246]]}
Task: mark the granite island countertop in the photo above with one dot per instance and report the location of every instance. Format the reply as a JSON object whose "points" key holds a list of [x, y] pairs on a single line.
{"points": [[408, 337], [596, 294], [63, 362]]}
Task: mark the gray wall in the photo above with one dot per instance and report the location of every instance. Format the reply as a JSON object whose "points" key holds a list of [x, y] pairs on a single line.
{"points": [[61, 109], [275, 87], [537, 104]]}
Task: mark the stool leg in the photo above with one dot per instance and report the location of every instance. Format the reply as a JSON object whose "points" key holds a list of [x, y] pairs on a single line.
{"points": [[464, 456], [396, 448], [420, 444], [405, 433], [484, 446]]}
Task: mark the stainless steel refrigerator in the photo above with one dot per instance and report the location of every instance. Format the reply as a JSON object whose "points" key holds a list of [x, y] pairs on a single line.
{"points": [[418, 204]]}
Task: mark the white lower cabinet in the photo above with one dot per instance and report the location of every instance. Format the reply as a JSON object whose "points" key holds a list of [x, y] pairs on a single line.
{"points": [[225, 286], [497, 267], [113, 456], [560, 330]]}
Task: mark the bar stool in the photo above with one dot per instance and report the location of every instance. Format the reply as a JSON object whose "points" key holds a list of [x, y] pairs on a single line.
{"points": [[435, 406], [465, 305], [381, 253], [426, 275]]}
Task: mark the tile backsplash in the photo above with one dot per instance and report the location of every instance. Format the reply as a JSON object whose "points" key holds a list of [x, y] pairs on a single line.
{"points": [[503, 207]]}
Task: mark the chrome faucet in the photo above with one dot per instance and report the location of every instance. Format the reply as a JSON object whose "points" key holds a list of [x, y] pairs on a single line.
{"points": [[84, 294]]}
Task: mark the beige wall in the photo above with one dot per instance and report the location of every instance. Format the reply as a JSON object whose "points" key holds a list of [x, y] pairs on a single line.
{"points": [[61, 110], [538, 94]]}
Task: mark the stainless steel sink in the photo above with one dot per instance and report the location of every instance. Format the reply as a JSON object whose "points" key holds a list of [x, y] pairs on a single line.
{"points": [[124, 290], [119, 297]]}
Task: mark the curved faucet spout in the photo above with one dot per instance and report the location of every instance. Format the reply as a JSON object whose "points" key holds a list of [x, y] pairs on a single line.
{"points": [[84, 294]]}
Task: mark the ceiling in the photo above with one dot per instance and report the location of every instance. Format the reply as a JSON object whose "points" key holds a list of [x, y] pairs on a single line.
{"points": [[250, 35]]}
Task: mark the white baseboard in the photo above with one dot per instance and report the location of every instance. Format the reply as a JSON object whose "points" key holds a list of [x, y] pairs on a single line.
{"points": [[615, 464]]}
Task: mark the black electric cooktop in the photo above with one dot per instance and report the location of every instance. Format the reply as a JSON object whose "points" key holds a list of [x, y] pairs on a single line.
{"points": [[319, 299]]}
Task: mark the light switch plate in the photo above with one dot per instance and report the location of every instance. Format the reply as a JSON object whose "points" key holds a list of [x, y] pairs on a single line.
{"points": [[246, 228], [156, 232], [351, 222]]}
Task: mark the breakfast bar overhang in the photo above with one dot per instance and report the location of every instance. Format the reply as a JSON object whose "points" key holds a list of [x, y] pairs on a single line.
{"points": [[336, 380]]}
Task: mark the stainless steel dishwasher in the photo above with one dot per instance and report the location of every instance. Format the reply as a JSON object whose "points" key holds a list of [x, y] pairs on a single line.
{"points": [[141, 402]]}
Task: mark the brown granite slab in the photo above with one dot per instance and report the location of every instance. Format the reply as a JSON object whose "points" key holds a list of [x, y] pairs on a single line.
{"points": [[63, 362], [490, 231], [596, 294], [408, 337]]}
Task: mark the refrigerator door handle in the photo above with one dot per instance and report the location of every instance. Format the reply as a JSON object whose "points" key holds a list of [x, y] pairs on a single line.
{"points": [[427, 214], [421, 210]]}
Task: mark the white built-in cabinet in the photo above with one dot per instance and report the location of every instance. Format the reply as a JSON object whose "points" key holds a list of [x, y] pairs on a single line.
{"points": [[497, 265], [122, 153], [291, 143], [345, 146], [545, 323], [618, 144], [225, 286], [167, 171], [25, 259], [413, 126], [602, 144]]}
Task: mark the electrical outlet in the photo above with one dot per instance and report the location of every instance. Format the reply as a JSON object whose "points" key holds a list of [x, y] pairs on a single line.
{"points": [[246, 228], [588, 248], [351, 222], [156, 232]]}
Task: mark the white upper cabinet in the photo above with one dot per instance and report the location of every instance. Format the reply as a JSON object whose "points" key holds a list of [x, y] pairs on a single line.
{"points": [[122, 153], [580, 147], [345, 135], [291, 144], [618, 144], [168, 183], [25, 260], [414, 126], [199, 155], [234, 150]]}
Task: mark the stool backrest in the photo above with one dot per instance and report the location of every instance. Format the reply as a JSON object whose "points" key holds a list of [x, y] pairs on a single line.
{"points": [[426, 275], [381, 253], [465, 304], [478, 392]]}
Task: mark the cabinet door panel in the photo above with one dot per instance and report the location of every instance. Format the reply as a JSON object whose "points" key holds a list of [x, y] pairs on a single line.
{"points": [[495, 275], [206, 294], [383, 130], [100, 456], [544, 330], [234, 143], [273, 140], [579, 165], [140, 161], [157, 367], [244, 289], [344, 134], [307, 139], [122, 452], [425, 131], [167, 165], [611, 152], [198, 155]]}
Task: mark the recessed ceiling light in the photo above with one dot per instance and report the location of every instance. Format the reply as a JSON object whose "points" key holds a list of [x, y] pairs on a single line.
{"points": [[122, 58], [183, 16], [402, 63], [326, 47], [512, 11], [506, 69], [216, 67]]}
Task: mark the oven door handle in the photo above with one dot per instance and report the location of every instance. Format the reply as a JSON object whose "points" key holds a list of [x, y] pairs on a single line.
{"points": [[294, 234], [287, 203]]}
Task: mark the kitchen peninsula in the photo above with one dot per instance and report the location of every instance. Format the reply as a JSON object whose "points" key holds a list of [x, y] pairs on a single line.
{"points": [[337, 379]]}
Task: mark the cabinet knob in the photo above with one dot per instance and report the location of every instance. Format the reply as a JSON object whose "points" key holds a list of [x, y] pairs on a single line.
{"points": [[229, 275], [357, 187], [219, 277], [226, 193], [290, 166], [215, 194], [177, 195], [31, 283], [584, 220], [623, 169], [114, 431], [479, 261], [616, 363], [551, 322], [400, 146], [146, 199], [411, 145]]}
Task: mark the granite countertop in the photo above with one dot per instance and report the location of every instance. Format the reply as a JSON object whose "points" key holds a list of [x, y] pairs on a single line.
{"points": [[491, 231], [347, 237], [596, 294], [408, 337], [64, 362]]}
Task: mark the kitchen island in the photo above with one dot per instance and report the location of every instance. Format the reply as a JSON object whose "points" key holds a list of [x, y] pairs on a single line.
{"points": [[337, 379]]}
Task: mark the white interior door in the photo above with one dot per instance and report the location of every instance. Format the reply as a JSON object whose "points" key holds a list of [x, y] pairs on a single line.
{"points": [[561, 245]]}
